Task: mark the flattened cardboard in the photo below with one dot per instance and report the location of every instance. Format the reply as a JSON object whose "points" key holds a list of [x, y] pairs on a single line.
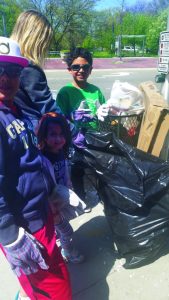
{"points": [[161, 137], [148, 128], [152, 95], [155, 124]]}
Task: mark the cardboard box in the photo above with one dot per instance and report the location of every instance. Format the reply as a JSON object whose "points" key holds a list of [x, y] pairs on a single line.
{"points": [[155, 124], [152, 95]]}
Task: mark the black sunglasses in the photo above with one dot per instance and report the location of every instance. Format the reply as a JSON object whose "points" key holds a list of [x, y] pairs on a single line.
{"points": [[11, 70], [77, 67]]}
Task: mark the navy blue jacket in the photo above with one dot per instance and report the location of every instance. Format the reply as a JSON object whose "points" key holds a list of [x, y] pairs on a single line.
{"points": [[25, 181], [34, 97]]}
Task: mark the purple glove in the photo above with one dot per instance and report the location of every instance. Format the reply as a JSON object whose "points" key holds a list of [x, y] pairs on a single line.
{"points": [[83, 116], [79, 140], [24, 255]]}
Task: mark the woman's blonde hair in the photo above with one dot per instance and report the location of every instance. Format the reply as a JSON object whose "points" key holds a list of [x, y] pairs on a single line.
{"points": [[33, 33]]}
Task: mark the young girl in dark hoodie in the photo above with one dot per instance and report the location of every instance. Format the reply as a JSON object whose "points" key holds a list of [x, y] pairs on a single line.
{"points": [[53, 139]]}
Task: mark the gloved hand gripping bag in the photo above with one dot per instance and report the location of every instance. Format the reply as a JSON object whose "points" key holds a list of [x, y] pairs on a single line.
{"points": [[134, 187]]}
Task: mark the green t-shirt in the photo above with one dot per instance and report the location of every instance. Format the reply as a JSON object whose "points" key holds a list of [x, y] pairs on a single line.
{"points": [[70, 99]]}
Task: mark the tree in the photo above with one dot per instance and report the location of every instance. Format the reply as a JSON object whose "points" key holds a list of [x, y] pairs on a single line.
{"points": [[8, 12], [156, 6], [70, 19], [159, 24], [77, 23], [102, 29]]}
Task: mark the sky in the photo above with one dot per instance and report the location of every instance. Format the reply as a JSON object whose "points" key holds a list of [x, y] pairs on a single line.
{"points": [[104, 4]]}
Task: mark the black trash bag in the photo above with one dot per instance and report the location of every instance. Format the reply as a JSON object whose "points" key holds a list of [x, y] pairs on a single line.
{"points": [[134, 187]]}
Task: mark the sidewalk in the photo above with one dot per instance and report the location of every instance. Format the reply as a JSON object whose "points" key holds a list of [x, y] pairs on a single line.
{"points": [[108, 63], [101, 276]]}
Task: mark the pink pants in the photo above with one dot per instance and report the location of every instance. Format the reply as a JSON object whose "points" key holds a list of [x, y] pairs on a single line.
{"points": [[53, 283]]}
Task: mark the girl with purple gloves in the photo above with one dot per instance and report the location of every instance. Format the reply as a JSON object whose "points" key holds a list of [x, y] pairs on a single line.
{"points": [[54, 137]]}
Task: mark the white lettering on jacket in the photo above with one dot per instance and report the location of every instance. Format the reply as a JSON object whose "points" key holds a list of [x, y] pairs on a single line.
{"points": [[16, 127]]}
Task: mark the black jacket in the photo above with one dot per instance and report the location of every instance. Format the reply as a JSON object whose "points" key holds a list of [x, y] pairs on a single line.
{"points": [[34, 97]]}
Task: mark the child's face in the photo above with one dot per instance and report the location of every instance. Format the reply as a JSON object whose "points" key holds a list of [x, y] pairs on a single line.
{"points": [[55, 139], [80, 69], [9, 80]]}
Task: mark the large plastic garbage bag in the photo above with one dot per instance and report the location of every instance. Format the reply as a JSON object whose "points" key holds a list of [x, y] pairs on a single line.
{"points": [[134, 187]]}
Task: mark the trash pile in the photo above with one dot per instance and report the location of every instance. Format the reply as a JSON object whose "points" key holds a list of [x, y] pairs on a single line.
{"points": [[138, 116], [134, 187], [125, 109], [133, 182]]}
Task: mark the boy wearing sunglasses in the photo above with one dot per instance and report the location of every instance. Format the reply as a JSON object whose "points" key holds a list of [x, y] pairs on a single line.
{"points": [[79, 96], [27, 235], [79, 101]]}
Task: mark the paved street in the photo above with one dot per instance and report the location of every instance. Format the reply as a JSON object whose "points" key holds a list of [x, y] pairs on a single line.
{"points": [[103, 78], [102, 276], [109, 63], [105, 72]]}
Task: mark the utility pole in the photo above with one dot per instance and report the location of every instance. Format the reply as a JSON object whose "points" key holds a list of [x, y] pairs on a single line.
{"points": [[165, 87], [121, 26], [119, 46], [4, 24]]}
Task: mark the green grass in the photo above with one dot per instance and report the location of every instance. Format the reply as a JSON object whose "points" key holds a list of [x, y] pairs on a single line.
{"points": [[106, 54], [102, 54], [131, 54], [53, 56]]}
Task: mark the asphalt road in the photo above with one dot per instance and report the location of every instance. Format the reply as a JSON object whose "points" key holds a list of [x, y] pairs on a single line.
{"points": [[103, 78], [105, 71]]}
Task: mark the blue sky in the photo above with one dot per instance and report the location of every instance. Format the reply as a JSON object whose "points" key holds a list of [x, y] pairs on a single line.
{"points": [[104, 4]]}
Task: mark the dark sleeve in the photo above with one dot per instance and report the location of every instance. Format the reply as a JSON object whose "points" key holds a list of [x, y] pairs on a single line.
{"points": [[34, 83], [8, 229]]}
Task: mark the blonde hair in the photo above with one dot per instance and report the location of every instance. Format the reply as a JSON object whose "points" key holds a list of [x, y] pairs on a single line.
{"points": [[33, 33]]}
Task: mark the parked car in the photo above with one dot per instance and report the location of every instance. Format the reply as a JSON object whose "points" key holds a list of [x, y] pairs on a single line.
{"points": [[130, 48]]}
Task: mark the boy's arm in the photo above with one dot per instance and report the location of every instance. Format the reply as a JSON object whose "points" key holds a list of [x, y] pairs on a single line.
{"points": [[62, 101], [101, 97]]}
